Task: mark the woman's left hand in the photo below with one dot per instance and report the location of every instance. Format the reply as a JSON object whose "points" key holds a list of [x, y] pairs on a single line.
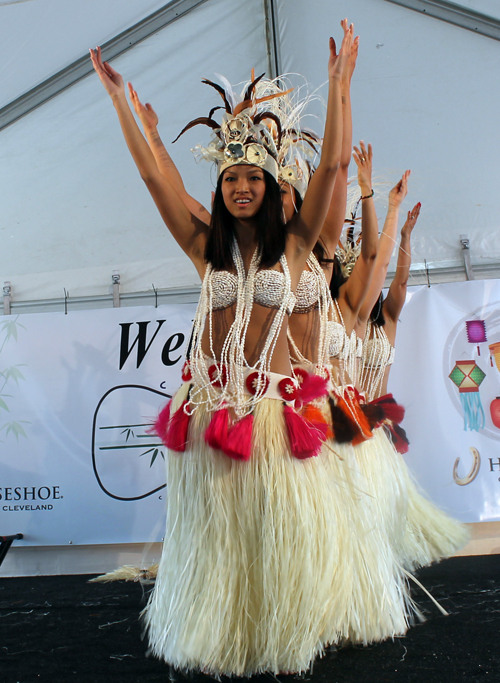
{"points": [[337, 64], [111, 79]]}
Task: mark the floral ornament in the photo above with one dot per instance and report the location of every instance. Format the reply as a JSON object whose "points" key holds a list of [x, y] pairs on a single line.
{"points": [[237, 128], [186, 372], [235, 150], [288, 389], [300, 375], [218, 375], [256, 381]]}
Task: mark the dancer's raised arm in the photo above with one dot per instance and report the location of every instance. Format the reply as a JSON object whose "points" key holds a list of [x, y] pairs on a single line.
{"points": [[385, 247], [334, 222], [305, 227], [396, 296], [188, 230], [149, 119], [356, 287]]}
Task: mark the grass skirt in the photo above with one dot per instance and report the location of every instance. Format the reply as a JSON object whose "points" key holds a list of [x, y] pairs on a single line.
{"points": [[266, 562], [421, 533]]}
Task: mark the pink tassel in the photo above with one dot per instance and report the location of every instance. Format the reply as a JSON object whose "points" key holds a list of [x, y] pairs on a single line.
{"points": [[305, 438], [160, 427], [176, 437], [239, 439], [313, 386], [216, 432]]}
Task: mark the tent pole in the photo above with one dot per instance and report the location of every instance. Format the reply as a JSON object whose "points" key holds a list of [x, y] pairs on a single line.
{"points": [[83, 67]]}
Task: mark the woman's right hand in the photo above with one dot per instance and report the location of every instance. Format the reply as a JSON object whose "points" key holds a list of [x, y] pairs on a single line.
{"points": [[111, 79], [147, 115], [407, 228], [363, 157]]}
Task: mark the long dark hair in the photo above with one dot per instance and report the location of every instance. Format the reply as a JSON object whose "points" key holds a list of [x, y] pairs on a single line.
{"points": [[377, 313], [271, 230]]}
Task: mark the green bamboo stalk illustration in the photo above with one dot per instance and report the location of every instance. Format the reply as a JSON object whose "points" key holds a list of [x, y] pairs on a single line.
{"points": [[10, 376]]}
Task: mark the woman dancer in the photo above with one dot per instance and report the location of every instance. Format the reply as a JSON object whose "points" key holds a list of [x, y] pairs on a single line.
{"points": [[429, 534], [243, 584]]}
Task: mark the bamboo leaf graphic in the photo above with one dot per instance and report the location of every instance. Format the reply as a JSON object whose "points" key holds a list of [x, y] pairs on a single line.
{"points": [[13, 373], [128, 432], [4, 406], [155, 454]]}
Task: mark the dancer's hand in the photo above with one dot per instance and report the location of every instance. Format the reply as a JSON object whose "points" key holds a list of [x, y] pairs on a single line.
{"points": [[398, 193], [407, 228], [364, 158], [147, 115], [337, 63], [351, 62], [111, 79]]}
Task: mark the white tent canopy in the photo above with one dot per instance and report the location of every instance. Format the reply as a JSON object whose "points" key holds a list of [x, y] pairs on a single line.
{"points": [[72, 206]]}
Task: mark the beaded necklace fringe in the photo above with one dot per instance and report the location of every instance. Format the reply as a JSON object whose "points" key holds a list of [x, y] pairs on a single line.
{"points": [[377, 351], [325, 314], [227, 388]]}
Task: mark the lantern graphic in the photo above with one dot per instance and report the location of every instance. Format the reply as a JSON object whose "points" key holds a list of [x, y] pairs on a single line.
{"points": [[495, 353], [495, 411], [476, 333], [468, 376]]}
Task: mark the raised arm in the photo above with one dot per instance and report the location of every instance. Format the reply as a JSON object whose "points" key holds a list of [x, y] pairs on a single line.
{"points": [[189, 232], [385, 247], [396, 297], [305, 227], [354, 290], [332, 227], [164, 161]]}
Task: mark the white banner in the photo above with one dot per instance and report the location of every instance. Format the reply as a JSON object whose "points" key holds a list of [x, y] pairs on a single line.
{"points": [[78, 391], [77, 394], [453, 423]]}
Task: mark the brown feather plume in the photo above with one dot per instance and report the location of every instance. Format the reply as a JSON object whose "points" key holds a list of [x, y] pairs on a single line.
{"points": [[221, 92], [205, 120]]}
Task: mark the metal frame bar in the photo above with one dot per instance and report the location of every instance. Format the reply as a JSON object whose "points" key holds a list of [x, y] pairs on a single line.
{"points": [[455, 14], [272, 38], [83, 67], [464, 241]]}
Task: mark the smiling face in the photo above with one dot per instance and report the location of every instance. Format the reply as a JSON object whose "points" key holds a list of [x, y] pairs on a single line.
{"points": [[243, 189]]}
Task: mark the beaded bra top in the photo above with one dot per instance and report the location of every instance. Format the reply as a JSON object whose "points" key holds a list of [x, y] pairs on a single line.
{"points": [[313, 293], [378, 353], [307, 293], [227, 386], [269, 289]]}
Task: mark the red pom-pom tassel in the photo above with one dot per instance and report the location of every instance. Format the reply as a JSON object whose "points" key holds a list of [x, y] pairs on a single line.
{"points": [[216, 432], [305, 438], [392, 410], [312, 387], [239, 439], [177, 433], [160, 427]]}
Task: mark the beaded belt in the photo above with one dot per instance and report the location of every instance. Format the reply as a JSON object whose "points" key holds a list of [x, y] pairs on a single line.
{"points": [[270, 384]]}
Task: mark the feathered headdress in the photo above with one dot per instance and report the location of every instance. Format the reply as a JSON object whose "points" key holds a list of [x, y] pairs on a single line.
{"points": [[299, 148], [243, 136], [259, 128]]}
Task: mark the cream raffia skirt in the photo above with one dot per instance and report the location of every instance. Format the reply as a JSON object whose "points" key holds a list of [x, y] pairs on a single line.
{"points": [[268, 561], [420, 532]]}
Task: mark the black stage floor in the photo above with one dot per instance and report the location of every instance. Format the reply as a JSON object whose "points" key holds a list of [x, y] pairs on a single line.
{"points": [[58, 629]]}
